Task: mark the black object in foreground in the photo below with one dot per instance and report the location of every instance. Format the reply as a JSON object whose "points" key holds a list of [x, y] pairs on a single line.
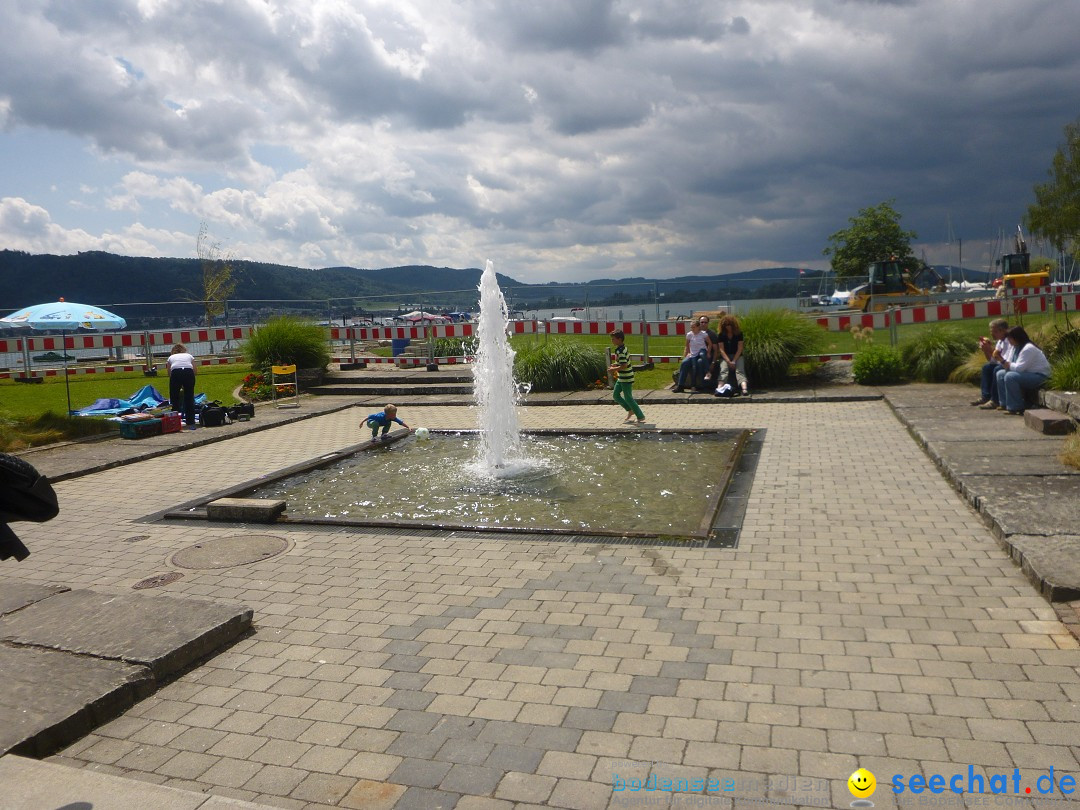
{"points": [[25, 494]]}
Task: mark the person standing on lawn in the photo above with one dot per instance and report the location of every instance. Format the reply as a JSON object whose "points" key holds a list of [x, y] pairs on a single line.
{"points": [[181, 367]]}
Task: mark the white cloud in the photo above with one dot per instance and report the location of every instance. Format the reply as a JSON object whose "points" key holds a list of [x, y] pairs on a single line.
{"points": [[568, 138]]}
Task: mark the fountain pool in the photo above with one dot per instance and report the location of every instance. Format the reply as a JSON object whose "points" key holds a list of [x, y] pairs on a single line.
{"points": [[659, 484]]}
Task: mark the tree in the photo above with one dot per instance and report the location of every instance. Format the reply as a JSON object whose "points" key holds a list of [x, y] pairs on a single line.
{"points": [[1056, 212], [874, 235], [217, 275]]}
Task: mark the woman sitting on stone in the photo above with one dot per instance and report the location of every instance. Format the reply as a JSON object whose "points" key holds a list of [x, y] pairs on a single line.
{"points": [[1027, 371], [695, 362], [731, 352]]}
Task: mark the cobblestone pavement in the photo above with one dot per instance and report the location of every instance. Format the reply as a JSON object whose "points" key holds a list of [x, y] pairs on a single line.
{"points": [[866, 619]]}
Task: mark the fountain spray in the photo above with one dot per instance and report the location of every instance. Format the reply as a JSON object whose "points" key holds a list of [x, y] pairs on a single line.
{"points": [[493, 377]]}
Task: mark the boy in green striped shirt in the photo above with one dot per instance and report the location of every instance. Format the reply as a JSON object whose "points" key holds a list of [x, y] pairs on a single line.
{"points": [[624, 383]]}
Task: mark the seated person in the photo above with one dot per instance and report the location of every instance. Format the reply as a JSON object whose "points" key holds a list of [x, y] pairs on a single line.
{"points": [[730, 349], [695, 360], [712, 373], [997, 345], [1026, 372]]}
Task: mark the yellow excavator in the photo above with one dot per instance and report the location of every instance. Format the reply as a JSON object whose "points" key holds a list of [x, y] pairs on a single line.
{"points": [[1016, 268], [896, 283]]}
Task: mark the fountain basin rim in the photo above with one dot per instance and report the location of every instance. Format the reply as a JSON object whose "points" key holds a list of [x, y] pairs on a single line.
{"points": [[196, 509]]}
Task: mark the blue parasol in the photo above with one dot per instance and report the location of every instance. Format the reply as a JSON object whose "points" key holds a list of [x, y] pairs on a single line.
{"points": [[64, 316]]}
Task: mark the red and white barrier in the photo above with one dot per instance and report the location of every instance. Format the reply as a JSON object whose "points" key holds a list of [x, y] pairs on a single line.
{"points": [[108, 369], [1046, 299]]}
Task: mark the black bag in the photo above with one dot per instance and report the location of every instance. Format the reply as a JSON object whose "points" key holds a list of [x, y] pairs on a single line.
{"points": [[25, 494], [213, 416], [244, 409]]}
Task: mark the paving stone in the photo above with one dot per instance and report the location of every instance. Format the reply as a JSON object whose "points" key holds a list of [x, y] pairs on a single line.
{"points": [[420, 773]]}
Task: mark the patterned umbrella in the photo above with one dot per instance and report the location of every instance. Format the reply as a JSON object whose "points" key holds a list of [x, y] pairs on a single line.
{"points": [[65, 315]]}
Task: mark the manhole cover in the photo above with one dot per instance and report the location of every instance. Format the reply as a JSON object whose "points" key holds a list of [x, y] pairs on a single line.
{"points": [[225, 552], [157, 581], [138, 538]]}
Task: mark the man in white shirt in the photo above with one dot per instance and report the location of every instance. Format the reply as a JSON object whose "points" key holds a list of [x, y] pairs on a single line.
{"points": [[997, 344]]}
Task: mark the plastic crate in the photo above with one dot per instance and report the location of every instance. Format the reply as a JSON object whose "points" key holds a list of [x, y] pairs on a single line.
{"points": [[170, 423], [140, 430]]}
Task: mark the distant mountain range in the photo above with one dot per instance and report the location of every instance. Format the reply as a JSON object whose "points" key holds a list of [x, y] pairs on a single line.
{"points": [[141, 287]]}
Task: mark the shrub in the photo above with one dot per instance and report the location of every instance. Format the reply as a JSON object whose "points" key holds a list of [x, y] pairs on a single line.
{"points": [[773, 338], [878, 365], [1065, 373], [284, 341], [933, 354], [1070, 453], [560, 365]]}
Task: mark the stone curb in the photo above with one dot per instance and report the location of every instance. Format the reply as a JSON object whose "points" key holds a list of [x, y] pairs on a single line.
{"points": [[74, 659], [1032, 560]]}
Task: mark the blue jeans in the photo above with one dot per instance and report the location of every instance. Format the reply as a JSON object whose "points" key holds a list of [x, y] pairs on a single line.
{"points": [[1013, 384], [693, 367], [989, 381]]}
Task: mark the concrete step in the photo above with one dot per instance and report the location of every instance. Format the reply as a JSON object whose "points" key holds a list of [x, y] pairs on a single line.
{"points": [[415, 377], [1049, 422], [349, 389], [31, 785]]}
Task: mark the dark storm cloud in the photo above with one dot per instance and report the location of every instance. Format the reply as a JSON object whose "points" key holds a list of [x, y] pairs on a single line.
{"points": [[716, 133]]}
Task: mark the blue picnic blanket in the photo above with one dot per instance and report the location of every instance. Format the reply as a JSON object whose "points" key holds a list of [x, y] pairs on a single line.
{"points": [[144, 399]]}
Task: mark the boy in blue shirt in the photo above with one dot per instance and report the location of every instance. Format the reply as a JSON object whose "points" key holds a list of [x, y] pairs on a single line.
{"points": [[383, 420]]}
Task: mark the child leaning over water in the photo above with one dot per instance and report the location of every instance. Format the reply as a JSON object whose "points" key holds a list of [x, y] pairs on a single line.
{"points": [[383, 420]]}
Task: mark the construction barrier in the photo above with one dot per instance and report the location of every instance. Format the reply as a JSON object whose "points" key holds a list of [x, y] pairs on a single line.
{"points": [[1045, 299], [108, 369]]}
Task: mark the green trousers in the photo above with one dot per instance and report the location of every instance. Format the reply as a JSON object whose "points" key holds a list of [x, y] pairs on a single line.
{"points": [[624, 396]]}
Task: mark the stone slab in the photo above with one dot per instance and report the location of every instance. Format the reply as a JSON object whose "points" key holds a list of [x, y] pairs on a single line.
{"points": [[162, 633], [50, 698], [1051, 563], [15, 595], [1028, 505], [253, 510], [1048, 421], [1045, 463], [32, 784], [1002, 449]]}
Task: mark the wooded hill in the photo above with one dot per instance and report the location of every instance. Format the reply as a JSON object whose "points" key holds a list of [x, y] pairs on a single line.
{"points": [[106, 279]]}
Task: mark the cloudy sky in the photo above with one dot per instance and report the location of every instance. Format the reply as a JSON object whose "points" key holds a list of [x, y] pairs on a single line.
{"points": [[563, 139]]}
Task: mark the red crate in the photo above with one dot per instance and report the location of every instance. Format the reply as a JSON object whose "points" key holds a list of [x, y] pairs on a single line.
{"points": [[170, 423]]}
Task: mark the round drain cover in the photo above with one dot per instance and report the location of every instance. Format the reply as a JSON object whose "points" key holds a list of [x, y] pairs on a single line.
{"points": [[225, 552], [157, 580]]}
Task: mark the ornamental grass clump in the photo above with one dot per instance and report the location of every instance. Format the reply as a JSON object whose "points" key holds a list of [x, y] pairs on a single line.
{"points": [[1065, 373], [559, 365], [773, 338], [877, 365], [934, 353], [970, 371], [287, 341]]}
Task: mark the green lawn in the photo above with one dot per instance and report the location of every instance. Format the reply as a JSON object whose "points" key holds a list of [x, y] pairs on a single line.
{"points": [[24, 400]]}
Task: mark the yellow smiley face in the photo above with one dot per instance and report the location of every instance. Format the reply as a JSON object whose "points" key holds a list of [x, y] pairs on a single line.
{"points": [[862, 784]]}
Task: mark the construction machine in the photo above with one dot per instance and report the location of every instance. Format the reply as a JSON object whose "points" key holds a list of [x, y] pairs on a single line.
{"points": [[1016, 267], [896, 283]]}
